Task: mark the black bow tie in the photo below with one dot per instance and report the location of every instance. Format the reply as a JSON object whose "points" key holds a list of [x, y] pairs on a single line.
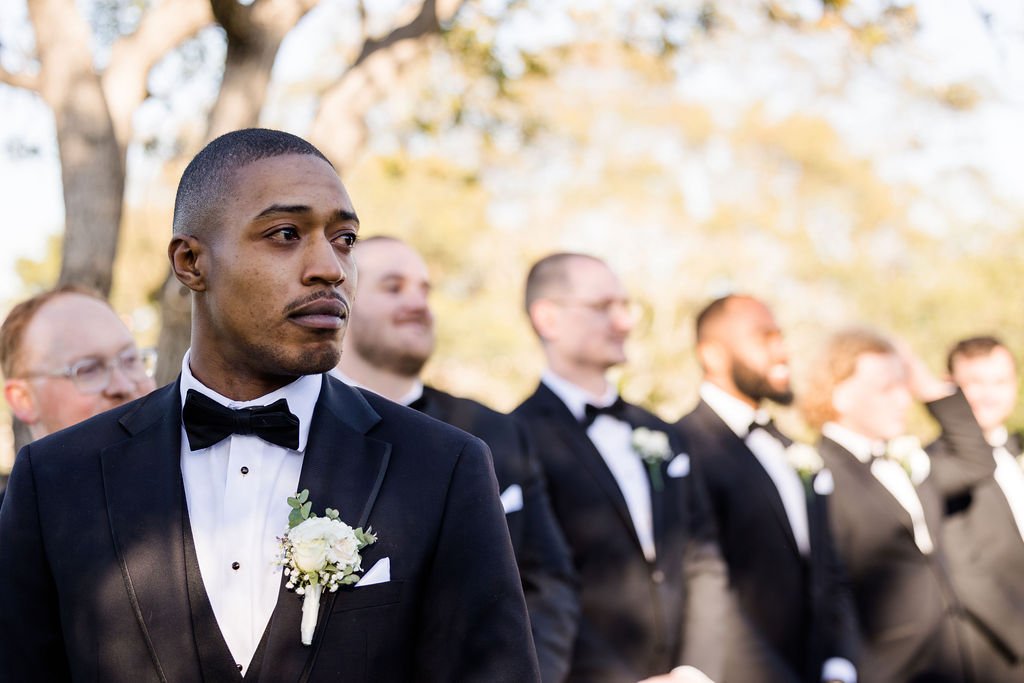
{"points": [[208, 422], [616, 410], [773, 431]]}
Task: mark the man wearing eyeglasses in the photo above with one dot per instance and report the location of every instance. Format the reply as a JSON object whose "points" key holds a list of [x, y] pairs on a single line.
{"points": [[652, 581], [66, 356]]}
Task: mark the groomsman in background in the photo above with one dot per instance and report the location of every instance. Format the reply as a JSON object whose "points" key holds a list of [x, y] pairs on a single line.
{"points": [[886, 510], [984, 530], [66, 356], [633, 511], [772, 526], [389, 340]]}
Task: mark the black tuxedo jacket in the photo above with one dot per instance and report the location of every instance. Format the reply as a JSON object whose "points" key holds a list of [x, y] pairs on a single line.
{"points": [[982, 541], [637, 615], [908, 614], [93, 578], [799, 610], [545, 567]]}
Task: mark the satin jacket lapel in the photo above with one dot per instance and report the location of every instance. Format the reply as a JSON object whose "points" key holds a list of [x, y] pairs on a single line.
{"points": [[343, 469], [861, 473], [579, 444], [744, 459], [661, 501], [143, 485]]}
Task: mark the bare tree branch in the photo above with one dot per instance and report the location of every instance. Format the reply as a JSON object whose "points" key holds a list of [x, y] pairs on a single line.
{"points": [[20, 80], [164, 27], [424, 23]]}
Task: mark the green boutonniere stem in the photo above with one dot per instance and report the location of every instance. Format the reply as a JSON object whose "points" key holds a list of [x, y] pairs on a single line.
{"points": [[654, 470]]}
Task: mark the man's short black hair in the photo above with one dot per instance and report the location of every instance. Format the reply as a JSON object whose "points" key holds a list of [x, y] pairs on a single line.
{"points": [[208, 176]]}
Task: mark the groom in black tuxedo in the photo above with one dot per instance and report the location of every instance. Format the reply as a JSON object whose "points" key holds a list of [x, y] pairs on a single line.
{"points": [[772, 520], [389, 340], [633, 511], [140, 545]]}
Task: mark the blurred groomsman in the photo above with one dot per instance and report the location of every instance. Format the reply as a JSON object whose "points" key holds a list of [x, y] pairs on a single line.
{"points": [[886, 510], [633, 512], [390, 338], [66, 356], [984, 532], [772, 525]]}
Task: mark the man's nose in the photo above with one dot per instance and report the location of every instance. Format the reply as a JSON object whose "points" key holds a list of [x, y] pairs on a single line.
{"points": [[120, 383], [323, 263]]}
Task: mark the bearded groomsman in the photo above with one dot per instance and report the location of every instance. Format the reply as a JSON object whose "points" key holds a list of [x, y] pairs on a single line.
{"points": [[624, 491], [887, 509], [771, 518], [144, 544], [984, 529], [389, 340]]}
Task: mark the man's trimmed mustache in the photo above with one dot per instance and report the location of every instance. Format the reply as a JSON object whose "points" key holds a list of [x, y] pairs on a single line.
{"points": [[317, 296]]}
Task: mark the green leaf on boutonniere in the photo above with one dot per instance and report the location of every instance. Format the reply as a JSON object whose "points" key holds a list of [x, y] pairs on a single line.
{"points": [[331, 513], [301, 508]]}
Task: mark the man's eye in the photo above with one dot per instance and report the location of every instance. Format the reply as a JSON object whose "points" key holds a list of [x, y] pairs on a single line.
{"points": [[346, 239], [88, 370], [285, 234]]}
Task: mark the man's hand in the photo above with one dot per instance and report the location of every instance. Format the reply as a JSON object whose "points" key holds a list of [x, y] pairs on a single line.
{"points": [[922, 382], [680, 674]]}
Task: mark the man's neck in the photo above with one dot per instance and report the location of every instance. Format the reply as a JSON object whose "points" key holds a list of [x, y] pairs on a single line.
{"points": [[591, 379], [378, 380], [233, 382], [730, 388]]}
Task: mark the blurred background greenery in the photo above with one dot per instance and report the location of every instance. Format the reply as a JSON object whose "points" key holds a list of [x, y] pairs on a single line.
{"points": [[849, 161]]}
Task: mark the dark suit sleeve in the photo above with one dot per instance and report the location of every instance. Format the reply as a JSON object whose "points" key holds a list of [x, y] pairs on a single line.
{"points": [[473, 624], [961, 458], [549, 580], [31, 642]]}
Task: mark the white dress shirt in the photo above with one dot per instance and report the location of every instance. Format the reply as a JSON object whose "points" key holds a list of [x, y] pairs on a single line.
{"points": [[770, 452], [890, 474], [237, 494], [413, 394], [614, 441], [1009, 476]]}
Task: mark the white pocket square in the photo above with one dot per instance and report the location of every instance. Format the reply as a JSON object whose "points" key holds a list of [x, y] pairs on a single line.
{"points": [[680, 466], [824, 484], [380, 572], [512, 498]]}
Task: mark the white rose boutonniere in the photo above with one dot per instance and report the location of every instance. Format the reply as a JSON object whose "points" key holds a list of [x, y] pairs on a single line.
{"points": [[805, 460], [319, 553], [907, 451], [653, 448]]}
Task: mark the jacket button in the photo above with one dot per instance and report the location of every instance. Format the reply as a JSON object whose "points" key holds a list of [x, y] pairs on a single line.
{"points": [[235, 565], [658, 576]]}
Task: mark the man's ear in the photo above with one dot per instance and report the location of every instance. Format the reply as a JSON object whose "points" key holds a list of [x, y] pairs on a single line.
{"points": [[21, 401], [544, 315], [185, 253], [842, 397], [713, 357]]}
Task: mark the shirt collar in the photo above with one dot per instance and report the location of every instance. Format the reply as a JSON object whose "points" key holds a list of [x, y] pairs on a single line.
{"points": [[862, 447], [411, 396], [574, 397], [736, 414], [302, 395]]}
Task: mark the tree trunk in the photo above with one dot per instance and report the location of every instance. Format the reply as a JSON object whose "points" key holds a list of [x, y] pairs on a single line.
{"points": [[92, 166], [247, 69]]}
